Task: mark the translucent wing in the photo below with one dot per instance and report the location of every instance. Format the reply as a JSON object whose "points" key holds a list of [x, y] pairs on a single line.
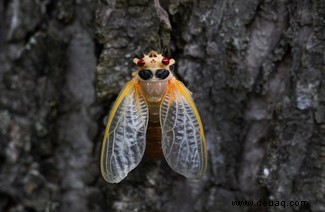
{"points": [[124, 141], [183, 140]]}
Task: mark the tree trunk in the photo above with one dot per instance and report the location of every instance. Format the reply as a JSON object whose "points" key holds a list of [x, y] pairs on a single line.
{"points": [[256, 70]]}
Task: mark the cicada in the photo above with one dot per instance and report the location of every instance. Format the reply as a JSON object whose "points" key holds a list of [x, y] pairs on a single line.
{"points": [[154, 114]]}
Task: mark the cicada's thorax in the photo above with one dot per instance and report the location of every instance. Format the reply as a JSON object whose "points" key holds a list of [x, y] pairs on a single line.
{"points": [[153, 77], [154, 90]]}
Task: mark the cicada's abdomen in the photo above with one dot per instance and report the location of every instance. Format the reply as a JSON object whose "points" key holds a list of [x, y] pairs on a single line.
{"points": [[153, 138]]}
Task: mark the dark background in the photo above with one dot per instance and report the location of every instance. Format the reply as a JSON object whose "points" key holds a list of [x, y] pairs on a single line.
{"points": [[256, 70]]}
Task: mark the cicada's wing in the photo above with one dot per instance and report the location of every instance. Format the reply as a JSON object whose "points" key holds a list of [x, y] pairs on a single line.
{"points": [[125, 136], [183, 140]]}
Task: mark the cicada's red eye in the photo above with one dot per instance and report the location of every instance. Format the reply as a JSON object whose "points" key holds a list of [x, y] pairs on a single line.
{"points": [[141, 62], [165, 61]]}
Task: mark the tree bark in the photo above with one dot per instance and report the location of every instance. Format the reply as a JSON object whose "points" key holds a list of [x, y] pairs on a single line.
{"points": [[256, 70]]}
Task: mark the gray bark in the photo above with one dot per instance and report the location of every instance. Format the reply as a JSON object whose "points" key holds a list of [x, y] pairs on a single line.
{"points": [[256, 70]]}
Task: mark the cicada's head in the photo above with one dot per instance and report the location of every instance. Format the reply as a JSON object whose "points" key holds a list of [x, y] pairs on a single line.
{"points": [[154, 66]]}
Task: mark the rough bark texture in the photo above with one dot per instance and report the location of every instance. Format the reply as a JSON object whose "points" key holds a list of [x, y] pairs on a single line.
{"points": [[256, 70]]}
